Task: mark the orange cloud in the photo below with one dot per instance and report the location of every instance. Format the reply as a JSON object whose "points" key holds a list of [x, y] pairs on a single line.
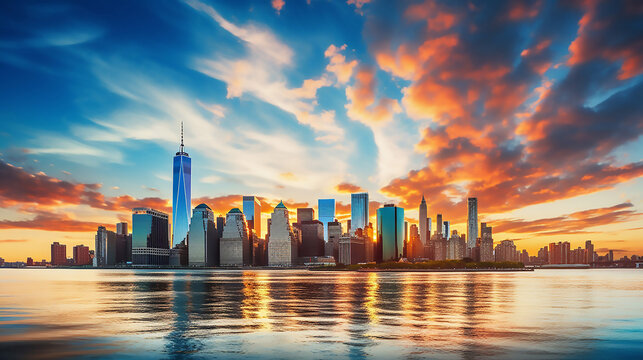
{"points": [[362, 104], [343, 70], [278, 5], [348, 188]]}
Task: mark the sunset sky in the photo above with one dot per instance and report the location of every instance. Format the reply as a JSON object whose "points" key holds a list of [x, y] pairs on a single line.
{"points": [[534, 107]]}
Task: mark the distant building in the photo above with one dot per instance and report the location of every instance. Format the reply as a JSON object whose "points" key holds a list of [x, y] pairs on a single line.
{"points": [[352, 249], [305, 214], [181, 194], [58, 254], [506, 251], [150, 237], [486, 243], [252, 212], [203, 238], [331, 248], [438, 226], [416, 247], [220, 225], [359, 212], [121, 228], [235, 245], [312, 238], [422, 221], [446, 230], [390, 233], [326, 209], [282, 245], [472, 222], [29, 261], [456, 246], [81, 255]]}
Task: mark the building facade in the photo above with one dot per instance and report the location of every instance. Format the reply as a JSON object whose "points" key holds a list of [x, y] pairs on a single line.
{"points": [[203, 238], [234, 246], [472, 222], [390, 233], [326, 214], [252, 211], [331, 248], [422, 221], [181, 194], [359, 211], [81, 255], [282, 245], [58, 254], [150, 237]]}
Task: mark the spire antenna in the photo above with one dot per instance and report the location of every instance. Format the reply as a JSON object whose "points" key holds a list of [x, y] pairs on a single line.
{"points": [[181, 136]]}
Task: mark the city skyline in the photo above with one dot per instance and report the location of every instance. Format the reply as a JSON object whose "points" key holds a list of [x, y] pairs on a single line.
{"points": [[544, 133]]}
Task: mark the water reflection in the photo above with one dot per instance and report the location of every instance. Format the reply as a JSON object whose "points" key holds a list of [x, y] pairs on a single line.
{"points": [[301, 314]]}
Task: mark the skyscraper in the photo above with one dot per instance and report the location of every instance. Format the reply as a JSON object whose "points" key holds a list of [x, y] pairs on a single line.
{"points": [[234, 246], [203, 244], [390, 233], [252, 211], [305, 214], [486, 243], [282, 246], [150, 237], [438, 225], [423, 223], [472, 222], [121, 228], [446, 230], [326, 213], [105, 246], [359, 211], [81, 255], [181, 194]]}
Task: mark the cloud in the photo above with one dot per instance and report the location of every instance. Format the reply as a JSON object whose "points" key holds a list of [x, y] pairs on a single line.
{"points": [[278, 5], [362, 104], [49, 222], [337, 63], [13, 240], [348, 188], [358, 4]]}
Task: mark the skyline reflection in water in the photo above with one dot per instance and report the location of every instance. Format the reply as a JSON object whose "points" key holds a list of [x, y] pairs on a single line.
{"points": [[183, 314]]}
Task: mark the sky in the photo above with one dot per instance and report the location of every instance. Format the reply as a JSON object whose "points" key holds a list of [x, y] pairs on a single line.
{"points": [[533, 107]]}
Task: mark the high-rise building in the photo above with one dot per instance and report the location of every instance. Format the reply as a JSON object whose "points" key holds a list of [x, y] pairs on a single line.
{"points": [[105, 246], [446, 229], [121, 228], [331, 248], [506, 251], [428, 231], [220, 225], [415, 248], [312, 238], [235, 245], [58, 254], [438, 229], [181, 194], [455, 246], [326, 214], [589, 252], [150, 237], [81, 255], [359, 212], [423, 223], [305, 214], [252, 211], [390, 233], [352, 248], [203, 238], [282, 245], [472, 222], [486, 243]]}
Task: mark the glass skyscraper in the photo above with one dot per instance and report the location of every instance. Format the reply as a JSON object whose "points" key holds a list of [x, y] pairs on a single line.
{"points": [[252, 211], [472, 222], [359, 211], [326, 213], [390, 233], [203, 247], [150, 242], [181, 193]]}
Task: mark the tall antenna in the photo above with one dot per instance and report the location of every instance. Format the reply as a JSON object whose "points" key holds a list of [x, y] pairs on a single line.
{"points": [[181, 136]]}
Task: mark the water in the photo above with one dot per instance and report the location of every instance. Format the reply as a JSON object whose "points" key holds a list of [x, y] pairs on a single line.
{"points": [[545, 314]]}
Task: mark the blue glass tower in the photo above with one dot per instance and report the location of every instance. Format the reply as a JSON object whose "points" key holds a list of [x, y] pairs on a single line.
{"points": [[181, 193], [390, 233], [359, 211], [326, 211]]}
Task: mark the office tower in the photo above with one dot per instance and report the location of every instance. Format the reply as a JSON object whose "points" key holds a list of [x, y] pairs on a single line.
{"points": [[121, 228], [326, 210], [359, 212], [305, 214], [352, 248], [390, 233], [331, 248], [472, 222], [312, 238], [234, 246], [203, 241], [416, 248], [446, 229], [106, 247], [58, 254], [348, 225], [252, 211], [282, 245], [589, 252], [220, 225], [565, 252], [438, 231], [422, 222], [150, 237], [81, 255], [486, 243], [181, 194], [428, 231]]}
